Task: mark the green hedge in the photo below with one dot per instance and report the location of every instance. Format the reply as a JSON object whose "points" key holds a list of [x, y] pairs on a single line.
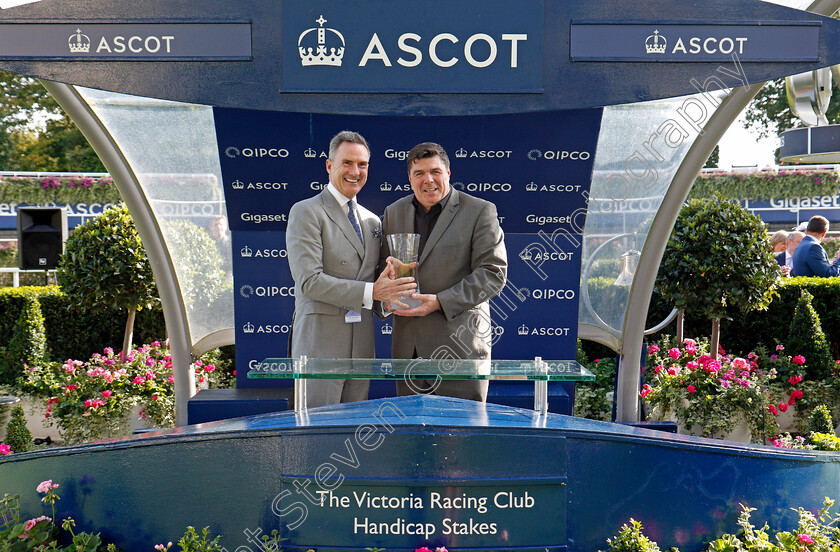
{"points": [[745, 331], [72, 332], [101, 189], [766, 185]]}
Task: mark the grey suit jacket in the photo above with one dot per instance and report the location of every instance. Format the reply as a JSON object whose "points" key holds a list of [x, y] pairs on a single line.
{"points": [[464, 262], [330, 267]]}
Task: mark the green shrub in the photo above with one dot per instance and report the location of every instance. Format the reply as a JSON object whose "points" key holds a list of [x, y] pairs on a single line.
{"points": [[766, 185], [104, 265], [28, 345], [18, 436], [73, 332], [820, 420], [806, 338], [717, 259], [631, 539]]}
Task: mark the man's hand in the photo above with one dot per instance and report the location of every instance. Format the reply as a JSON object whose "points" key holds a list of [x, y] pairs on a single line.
{"points": [[388, 289], [785, 271], [429, 303], [400, 269]]}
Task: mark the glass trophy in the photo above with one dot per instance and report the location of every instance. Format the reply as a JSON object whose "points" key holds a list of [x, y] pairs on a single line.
{"points": [[405, 248]]}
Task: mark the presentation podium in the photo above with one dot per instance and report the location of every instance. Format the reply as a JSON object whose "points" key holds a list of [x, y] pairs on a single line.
{"points": [[540, 371]]}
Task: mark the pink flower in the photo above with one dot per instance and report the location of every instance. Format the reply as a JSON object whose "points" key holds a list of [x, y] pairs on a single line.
{"points": [[32, 523], [72, 387], [658, 369], [772, 410], [713, 366], [774, 357], [423, 549], [646, 389], [5, 450], [46, 486], [783, 407], [725, 383], [108, 351], [797, 393], [793, 380], [798, 359], [209, 367], [106, 393], [805, 539], [692, 389], [740, 364], [441, 549], [653, 349], [691, 365], [780, 347], [691, 350], [171, 379], [672, 371], [138, 380], [674, 353], [689, 342], [150, 362]]}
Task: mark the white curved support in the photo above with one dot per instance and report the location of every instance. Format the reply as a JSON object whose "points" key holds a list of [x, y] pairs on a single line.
{"points": [[126, 181]]}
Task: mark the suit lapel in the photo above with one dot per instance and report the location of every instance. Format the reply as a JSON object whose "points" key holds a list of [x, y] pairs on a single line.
{"points": [[339, 217], [443, 222]]}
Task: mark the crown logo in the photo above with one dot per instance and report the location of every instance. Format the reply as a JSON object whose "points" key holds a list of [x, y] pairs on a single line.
{"points": [[461, 153], [525, 255], [523, 330], [79, 43], [237, 184], [532, 187], [387, 329], [320, 55], [248, 328], [655, 43], [246, 251], [385, 187], [310, 153]]}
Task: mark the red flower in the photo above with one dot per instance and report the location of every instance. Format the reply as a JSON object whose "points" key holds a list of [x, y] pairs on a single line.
{"points": [[783, 407], [772, 409], [692, 389], [798, 359]]}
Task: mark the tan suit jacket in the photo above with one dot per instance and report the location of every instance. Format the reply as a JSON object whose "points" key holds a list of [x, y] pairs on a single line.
{"points": [[330, 267]]}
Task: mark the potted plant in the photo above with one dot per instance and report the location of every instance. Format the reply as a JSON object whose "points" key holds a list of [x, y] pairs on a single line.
{"points": [[706, 396]]}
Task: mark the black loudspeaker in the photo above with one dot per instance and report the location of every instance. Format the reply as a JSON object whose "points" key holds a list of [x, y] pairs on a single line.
{"points": [[41, 233]]}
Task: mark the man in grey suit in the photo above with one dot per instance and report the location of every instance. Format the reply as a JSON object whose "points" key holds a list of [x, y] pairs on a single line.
{"points": [[333, 246], [462, 265]]}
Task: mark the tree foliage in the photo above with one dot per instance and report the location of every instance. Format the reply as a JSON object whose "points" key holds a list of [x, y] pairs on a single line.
{"points": [[806, 338], [105, 265], [718, 258], [54, 145]]}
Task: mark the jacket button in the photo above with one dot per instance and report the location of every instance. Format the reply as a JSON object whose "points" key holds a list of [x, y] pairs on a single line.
{"points": [[343, 262]]}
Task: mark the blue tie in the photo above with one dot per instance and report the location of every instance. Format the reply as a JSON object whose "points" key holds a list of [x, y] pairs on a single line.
{"points": [[351, 214]]}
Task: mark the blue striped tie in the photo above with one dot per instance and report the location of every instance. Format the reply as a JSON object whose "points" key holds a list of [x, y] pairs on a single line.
{"points": [[351, 214]]}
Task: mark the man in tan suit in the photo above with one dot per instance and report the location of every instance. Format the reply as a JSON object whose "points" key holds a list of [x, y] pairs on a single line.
{"points": [[462, 265], [333, 245]]}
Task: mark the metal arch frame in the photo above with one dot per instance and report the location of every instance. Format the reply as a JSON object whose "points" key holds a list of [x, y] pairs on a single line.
{"points": [[627, 403], [129, 187]]}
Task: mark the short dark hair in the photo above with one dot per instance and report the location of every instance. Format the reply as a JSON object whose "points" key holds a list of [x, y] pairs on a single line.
{"points": [[426, 150], [346, 136], [817, 225]]}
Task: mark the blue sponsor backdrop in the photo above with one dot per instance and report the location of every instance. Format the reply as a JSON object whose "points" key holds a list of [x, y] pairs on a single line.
{"points": [[536, 168]]}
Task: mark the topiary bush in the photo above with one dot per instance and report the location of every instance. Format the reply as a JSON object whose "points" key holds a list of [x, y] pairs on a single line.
{"points": [[197, 262], [104, 265], [718, 259], [820, 420], [806, 338], [18, 436], [28, 345]]}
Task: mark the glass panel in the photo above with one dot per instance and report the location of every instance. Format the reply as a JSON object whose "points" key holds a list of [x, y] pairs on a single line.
{"points": [[640, 148], [448, 369], [172, 149]]}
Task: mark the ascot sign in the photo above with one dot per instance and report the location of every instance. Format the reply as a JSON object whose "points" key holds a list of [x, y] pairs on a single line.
{"points": [[498, 54]]}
